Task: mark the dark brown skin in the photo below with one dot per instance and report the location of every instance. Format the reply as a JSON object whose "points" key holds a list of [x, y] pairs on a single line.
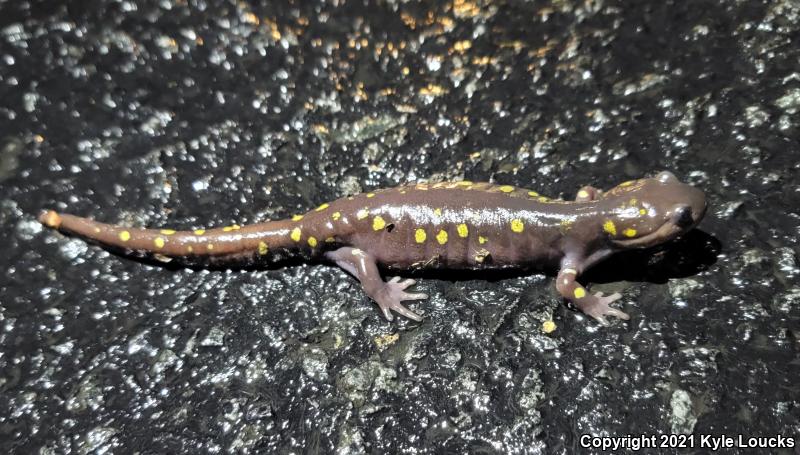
{"points": [[449, 225]]}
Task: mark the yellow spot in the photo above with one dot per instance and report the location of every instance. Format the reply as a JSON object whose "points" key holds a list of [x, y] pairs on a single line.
{"points": [[432, 90], [378, 223], [167, 231], [297, 217], [322, 207], [234, 227], [312, 242], [629, 232], [441, 237], [579, 293], [517, 226], [482, 239], [384, 341], [262, 248], [583, 194], [420, 235], [543, 199], [464, 183], [633, 202], [190, 249], [336, 216], [533, 194], [437, 212], [251, 18], [548, 326], [370, 194], [609, 227], [210, 246], [506, 188], [363, 213], [199, 231], [159, 242], [462, 46], [628, 183], [463, 230], [570, 271], [124, 236], [295, 235], [330, 240], [357, 252]]}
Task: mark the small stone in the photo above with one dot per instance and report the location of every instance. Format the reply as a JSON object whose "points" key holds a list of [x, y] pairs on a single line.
{"points": [[682, 418]]}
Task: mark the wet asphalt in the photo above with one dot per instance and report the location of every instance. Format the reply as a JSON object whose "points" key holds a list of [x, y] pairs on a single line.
{"points": [[195, 113]]}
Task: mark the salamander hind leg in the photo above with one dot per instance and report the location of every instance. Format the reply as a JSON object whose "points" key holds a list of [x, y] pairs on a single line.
{"points": [[395, 292], [388, 295]]}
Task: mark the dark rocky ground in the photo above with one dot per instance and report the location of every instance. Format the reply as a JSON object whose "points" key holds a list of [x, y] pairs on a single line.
{"points": [[205, 113]]}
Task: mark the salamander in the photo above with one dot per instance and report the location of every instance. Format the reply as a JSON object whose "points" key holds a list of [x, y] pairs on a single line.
{"points": [[455, 225]]}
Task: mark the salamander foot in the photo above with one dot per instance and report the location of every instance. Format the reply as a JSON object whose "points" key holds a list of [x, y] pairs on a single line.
{"points": [[598, 307], [389, 298]]}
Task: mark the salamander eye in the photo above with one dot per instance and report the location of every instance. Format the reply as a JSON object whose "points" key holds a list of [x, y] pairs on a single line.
{"points": [[683, 216], [666, 176]]}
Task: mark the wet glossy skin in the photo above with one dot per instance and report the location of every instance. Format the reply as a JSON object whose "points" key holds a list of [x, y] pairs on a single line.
{"points": [[448, 225]]}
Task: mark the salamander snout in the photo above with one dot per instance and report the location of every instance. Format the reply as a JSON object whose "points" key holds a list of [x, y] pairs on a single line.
{"points": [[688, 213], [694, 208]]}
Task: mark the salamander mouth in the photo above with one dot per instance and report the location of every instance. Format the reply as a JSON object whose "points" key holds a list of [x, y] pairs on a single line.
{"points": [[667, 231]]}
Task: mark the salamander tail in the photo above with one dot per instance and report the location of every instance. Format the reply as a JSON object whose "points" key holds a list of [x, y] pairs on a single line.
{"points": [[232, 243], [50, 219]]}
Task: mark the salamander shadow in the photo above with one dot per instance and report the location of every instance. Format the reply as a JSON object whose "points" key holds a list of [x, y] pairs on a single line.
{"points": [[694, 252]]}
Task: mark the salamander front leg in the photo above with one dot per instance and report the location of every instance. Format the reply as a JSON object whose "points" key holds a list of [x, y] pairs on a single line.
{"points": [[588, 193], [595, 305], [388, 295]]}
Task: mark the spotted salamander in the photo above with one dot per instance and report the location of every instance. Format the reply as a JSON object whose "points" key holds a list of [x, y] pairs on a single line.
{"points": [[461, 225]]}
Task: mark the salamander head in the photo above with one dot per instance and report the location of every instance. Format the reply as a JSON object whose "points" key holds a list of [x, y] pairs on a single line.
{"points": [[650, 211]]}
